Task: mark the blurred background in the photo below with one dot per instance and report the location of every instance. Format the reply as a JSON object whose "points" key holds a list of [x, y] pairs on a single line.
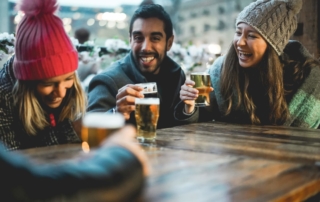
{"points": [[203, 29], [195, 22]]}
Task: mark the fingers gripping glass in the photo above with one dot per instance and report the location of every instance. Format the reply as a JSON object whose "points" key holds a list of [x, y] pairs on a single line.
{"points": [[203, 85]]}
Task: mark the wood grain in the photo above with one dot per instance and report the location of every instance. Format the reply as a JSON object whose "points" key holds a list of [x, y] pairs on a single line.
{"points": [[222, 162]]}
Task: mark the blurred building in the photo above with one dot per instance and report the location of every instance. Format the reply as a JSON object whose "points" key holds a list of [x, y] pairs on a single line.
{"points": [[103, 23], [208, 21], [4, 9], [196, 22], [308, 31]]}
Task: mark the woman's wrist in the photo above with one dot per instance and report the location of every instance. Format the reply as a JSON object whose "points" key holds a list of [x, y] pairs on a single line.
{"points": [[188, 110]]}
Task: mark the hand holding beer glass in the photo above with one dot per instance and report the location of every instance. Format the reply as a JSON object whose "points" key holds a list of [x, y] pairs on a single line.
{"points": [[195, 91], [203, 85], [147, 115], [125, 98], [97, 126]]}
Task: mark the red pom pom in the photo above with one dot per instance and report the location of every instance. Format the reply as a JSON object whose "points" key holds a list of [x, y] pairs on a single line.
{"points": [[37, 7]]}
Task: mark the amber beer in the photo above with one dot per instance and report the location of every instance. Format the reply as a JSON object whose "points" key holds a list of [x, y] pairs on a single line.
{"points": [[202, 84], [149, 89], [147, 115], [97, 126]]}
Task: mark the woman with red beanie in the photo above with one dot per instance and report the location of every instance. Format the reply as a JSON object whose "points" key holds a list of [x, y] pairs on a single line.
{"points": [[39, 89], [40, 95]]}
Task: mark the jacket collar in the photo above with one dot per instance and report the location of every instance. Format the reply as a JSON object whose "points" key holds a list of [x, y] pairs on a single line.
{"points": [[8, 69]]}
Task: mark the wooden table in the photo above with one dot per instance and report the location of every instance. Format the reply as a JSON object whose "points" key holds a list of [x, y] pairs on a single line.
{"points": [[224, 162]]}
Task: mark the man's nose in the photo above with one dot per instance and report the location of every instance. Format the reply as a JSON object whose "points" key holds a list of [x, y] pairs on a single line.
{"points": [[146, 44]]}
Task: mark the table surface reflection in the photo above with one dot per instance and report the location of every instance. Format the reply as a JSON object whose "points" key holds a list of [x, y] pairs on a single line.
{"points": [[214, 161]]}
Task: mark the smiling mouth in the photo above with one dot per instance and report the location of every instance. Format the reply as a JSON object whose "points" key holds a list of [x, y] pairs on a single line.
{"points": [[147, 59], [244, 54], [54, 100]]}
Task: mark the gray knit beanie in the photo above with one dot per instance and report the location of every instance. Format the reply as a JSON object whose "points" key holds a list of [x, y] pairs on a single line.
{"points": [[275, 20]]}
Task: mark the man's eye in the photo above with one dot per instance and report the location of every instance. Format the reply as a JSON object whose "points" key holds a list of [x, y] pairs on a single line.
{"points": [[138, 38]]}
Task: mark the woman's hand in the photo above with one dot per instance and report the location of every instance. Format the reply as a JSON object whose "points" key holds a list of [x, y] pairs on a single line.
{"points": [[188, 95]]}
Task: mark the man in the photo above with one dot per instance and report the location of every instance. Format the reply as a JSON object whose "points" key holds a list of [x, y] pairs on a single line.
{"points": [[151, 36]]}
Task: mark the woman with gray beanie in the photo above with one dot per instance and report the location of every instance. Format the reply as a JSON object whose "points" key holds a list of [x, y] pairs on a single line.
{"points": [[264, 78]]}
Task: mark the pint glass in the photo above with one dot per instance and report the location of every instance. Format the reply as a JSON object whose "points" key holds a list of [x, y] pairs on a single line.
{"points": [[202, 84], [147, 115], [97, 126], [149, 89]]}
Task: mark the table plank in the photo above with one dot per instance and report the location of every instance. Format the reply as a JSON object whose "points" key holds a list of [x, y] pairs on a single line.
{"points": [[211, 177], [281, 143]]}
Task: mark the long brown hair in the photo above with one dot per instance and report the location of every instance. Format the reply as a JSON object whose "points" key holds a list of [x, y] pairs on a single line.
{"points": [[34, 117], [235, 83]]}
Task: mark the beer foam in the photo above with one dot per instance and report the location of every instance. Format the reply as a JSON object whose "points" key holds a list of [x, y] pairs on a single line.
{"points": [[147, 101], [103, 120], [199, 73]]}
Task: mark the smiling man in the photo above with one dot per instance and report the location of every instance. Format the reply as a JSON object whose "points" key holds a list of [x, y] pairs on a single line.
{"points": [[151, 36]]}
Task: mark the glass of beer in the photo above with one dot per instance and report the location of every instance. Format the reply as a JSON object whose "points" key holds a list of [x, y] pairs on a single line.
{"points": [[202, 84], [97, 126], [147, 115], [149, 89]]}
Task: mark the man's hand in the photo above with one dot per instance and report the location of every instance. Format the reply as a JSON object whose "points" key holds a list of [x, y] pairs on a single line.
{"points": [[126, 99]]}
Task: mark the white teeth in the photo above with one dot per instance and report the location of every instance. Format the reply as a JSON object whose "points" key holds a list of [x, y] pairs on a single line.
{"points": [[245, 53], [147, 59]]}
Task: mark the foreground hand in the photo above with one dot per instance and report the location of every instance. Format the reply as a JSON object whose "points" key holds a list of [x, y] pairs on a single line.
{"points": [[125, 137], [126, 99], [188, 95]]}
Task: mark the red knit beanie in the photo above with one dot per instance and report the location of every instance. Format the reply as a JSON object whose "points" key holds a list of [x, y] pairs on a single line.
{"points": [[43, 49]]}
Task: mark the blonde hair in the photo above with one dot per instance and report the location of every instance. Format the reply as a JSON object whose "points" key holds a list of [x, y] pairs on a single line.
{"points": [[34, 117]]}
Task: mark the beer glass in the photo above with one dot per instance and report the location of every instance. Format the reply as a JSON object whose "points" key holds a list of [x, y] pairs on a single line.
{"points": [[97, 126], [149, 89], [147, 115], [202, 84]]}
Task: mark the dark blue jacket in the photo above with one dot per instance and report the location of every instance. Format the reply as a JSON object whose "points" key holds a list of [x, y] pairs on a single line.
{"points": [[107, 174]]}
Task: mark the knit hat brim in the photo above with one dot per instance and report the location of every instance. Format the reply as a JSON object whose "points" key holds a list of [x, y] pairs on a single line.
{"points": [[271, 43], [53, 65]]}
